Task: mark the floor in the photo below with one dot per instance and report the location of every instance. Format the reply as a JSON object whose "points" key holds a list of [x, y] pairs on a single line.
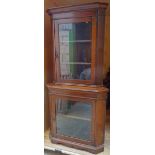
{"points": [[47, 152], [107, 143]]}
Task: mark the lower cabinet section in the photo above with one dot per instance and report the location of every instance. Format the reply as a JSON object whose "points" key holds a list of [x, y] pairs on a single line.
{"points": [[81, 146], [78, 116]]}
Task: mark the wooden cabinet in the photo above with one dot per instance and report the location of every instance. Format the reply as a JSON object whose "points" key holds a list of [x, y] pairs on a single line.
{"points": [[78, 115], [77, 96], [78, 36]]}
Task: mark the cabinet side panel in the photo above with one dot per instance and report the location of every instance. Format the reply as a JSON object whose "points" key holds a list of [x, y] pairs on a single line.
{"points": [[48, 73], [106, 65], [100, 121], [100, 46], [52, 115], [50, 111]]}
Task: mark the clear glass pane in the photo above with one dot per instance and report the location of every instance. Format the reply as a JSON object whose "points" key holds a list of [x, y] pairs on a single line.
{"points": [[75, 50], [73, 119]]}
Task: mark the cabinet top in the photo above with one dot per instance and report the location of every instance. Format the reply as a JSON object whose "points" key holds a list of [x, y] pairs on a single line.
{"points": [[78, 87], [78, 7]]}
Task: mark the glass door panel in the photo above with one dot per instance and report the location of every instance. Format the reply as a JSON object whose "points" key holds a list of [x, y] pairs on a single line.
{"points": [[75, 42], [74, 119]]}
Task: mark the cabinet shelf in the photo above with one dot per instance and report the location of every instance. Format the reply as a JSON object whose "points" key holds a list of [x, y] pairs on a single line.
{"points": [[74, 117], [76, 41], [75, 63]]}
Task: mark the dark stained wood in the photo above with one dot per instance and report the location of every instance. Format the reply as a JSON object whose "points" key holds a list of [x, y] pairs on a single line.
{"points": [[80, 87], [89, 148], [74, 14], [100, 121], [100, 48], [92, 90], [96, 15], [96, 96], [57, 54], [48, 44], [86, 6]]}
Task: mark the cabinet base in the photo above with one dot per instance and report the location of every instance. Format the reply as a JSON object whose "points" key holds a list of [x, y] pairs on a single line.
{"points": [[89, 148]]}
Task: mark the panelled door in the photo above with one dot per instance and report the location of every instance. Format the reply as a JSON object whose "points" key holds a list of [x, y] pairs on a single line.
{"points": [[73, 119], [74, 50]]}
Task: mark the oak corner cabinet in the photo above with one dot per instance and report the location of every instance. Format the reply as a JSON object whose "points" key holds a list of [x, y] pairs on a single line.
{"points": [[77, 98]]}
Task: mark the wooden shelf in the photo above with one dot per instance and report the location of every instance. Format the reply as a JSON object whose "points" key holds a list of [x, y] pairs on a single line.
{"points": [[76, 41], [76, 63], [74, 117]]}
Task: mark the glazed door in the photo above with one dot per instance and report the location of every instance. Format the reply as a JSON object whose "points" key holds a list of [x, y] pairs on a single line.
{"points": [[75, 47], [73, 119]]}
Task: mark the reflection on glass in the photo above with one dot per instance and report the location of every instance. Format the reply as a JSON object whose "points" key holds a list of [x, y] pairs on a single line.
{"points": [[73, 119], [75, 50]]}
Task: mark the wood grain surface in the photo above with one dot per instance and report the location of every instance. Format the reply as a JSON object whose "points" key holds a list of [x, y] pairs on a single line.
{"points": [[48, 45]]}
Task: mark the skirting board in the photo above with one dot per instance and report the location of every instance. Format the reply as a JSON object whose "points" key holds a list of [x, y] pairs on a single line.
{"points": [[70, 151]]}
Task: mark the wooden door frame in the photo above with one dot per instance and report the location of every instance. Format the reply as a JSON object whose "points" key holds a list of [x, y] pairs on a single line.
{"points": [[92, 102], [57, 49]]}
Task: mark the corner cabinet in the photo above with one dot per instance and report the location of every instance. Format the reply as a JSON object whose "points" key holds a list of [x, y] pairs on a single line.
{"points": [[78, 37], [77, 116], [77, 96]]}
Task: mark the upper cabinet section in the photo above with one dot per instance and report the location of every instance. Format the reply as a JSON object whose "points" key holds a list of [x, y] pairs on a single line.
{"points": [[78, 37]]}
